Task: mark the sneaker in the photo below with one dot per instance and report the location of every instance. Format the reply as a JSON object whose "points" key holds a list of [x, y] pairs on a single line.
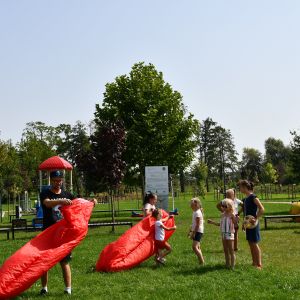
{"points": [[43, 292], [67, 292], [161, 260]]}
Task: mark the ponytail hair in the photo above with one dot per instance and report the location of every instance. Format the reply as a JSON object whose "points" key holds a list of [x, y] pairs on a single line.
{"points": [[247, 184], [149, 195]]}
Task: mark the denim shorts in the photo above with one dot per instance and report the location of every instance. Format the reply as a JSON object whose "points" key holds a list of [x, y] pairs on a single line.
{"points": [[198, 236]]}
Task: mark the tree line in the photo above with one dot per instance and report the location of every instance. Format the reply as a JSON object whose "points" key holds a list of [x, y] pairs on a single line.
{"points": [[143, 121]]}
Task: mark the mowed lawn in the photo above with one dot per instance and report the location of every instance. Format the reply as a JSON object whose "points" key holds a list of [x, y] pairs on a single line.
{"points": [[182, 278]]}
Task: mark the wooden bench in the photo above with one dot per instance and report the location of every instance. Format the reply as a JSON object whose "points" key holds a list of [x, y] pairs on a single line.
{"points": [[21, 225], [279, 217], [23, 215], [18, 224], [5, 230]]}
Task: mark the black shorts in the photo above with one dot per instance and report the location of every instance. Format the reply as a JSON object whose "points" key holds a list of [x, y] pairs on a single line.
{"points": [[67, 258], [198, 236]]}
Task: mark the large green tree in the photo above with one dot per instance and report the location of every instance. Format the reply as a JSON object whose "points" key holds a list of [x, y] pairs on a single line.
{"points": [[278, 155], [217, 152], [252, 165], [159, 130]]}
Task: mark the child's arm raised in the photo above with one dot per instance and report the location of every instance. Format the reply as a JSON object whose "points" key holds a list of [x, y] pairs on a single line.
{"points": [[210, 221]]}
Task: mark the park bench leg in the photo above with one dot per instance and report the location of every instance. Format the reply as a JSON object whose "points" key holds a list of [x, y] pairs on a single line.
{"points": [[265, 223]]}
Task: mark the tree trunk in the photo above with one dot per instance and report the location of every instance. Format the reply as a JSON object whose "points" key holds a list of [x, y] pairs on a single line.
{"points": [[207, 184], [182, 181]]}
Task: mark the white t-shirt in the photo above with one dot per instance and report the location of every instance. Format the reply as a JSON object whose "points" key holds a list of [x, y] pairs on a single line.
{"points": [[149, 206], [237, 203], [159, 231], [198, 214]]}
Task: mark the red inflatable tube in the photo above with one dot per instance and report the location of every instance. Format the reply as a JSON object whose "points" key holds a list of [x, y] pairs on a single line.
{"points": [[132, 248], [44, 251]]}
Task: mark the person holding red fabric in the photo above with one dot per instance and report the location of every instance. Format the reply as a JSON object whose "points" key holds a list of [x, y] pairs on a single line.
{"points": [[51, 200]]}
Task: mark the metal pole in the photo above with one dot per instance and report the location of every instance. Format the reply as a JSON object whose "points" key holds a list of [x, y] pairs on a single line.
{"points": [[172, 191], [41, 180], [71, 181], [224, 175]]}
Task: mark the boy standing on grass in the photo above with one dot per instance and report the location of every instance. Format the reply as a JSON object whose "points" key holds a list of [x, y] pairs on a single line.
{"points": [[162, 246], [51, 200]]}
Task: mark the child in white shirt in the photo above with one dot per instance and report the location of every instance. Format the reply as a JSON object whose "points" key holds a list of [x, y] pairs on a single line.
{"points": [[162, 246], [197, 228]]}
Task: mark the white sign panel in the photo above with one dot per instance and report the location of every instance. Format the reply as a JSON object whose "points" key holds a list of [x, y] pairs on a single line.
{"points": [[157, 181]]}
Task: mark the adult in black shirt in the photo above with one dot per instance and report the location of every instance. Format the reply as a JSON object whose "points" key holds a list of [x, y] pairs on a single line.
{"points": [[51, 200]]}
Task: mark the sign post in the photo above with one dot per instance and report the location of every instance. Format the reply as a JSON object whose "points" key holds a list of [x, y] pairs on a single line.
{"points": [[157, 181]]}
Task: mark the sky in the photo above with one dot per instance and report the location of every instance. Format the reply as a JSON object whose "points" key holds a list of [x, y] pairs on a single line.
{"points": [[235, 61]]}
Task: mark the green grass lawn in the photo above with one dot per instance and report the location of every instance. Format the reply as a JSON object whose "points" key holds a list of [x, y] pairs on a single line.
{"points": [[182, 278]]}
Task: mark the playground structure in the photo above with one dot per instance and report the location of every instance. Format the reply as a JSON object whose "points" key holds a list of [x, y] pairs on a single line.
{"points": [[20, 203], [52, 164]]}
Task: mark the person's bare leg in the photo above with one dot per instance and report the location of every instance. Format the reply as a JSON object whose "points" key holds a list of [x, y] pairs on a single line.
{"points": [[236, 238], [44, 280], [198, 252], [256, 255], [226, 253], [252, 253], [231, 253], [165, 253], [66, 269]]}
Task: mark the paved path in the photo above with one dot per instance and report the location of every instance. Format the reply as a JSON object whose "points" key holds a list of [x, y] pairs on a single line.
{"points": [[277, 202]]}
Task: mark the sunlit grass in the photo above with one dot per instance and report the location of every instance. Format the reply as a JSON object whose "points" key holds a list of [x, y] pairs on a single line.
{"points": [[182, 278]]}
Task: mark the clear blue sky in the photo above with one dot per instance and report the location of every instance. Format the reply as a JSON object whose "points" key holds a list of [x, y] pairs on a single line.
{"points": [[235, 61]]}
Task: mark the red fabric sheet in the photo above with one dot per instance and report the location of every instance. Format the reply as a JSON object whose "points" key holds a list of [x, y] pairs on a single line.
{"points": [[132, 248], [44, 251]]}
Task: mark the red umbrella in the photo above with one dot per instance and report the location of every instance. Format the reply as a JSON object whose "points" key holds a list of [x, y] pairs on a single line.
{"points": [[55, 163]]}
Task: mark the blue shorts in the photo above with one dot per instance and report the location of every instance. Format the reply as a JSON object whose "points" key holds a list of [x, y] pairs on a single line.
{"points": [[253, 235], [198, 236]]}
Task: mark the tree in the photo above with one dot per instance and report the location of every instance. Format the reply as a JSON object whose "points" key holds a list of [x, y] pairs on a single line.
{"points": [[10, 176], [295, 156], [252, 165], [108, 145], [269, 173], [278, 155], [217, 151], [159, 131], [199, 172], [32, 151], [75, 146]]}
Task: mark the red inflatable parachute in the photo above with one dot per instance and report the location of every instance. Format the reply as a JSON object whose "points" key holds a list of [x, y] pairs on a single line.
{"points": [[132, 248], [40, 254]]}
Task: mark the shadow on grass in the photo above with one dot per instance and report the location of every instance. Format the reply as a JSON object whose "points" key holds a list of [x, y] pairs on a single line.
{"points": [[270, 228], [203, 269], [297, 232]]}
